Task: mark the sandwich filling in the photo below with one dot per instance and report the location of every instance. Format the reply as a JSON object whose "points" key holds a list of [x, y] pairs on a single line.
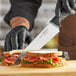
{"points": [[55, 61], [10, 59]]}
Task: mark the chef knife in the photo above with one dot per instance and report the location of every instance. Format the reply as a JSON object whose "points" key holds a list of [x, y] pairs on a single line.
{"points": [[50, 31]]}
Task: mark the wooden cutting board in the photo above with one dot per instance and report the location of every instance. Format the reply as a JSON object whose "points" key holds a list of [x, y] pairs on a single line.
{"points": [[69, 70]]}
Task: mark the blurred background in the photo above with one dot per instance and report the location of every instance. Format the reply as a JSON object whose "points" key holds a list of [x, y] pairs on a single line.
{"points": [[45, 13]]}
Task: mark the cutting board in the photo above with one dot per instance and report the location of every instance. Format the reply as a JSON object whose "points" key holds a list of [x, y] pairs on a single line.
{"points": [[69, 70]]}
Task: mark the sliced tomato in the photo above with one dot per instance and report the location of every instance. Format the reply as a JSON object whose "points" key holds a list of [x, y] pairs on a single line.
{"points": [[44, 60], [25, 58], [8, 61], [57, 59]]}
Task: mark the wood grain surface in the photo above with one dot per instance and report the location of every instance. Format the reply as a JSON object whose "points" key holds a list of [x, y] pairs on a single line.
{"points": [[68, 70]]}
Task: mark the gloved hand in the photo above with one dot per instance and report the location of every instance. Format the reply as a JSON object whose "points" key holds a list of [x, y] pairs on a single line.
{"points": [[63, 9], [16, 38]]}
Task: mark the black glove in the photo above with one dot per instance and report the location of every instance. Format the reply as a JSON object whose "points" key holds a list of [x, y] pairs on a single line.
{"points": [[63, 9], [16, 38]]}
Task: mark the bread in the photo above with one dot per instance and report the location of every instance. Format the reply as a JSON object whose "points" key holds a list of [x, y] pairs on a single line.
{"points": [[12, 52], [38, 65], [44, 53]]}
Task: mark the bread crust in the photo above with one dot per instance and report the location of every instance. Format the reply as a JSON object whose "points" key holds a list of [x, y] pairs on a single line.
{"points": [[12, 52], [53, 54], [38, 65]]}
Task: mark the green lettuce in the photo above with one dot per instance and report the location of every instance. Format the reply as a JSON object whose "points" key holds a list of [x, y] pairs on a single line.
{"points": [[48, 61], [1, 59]]}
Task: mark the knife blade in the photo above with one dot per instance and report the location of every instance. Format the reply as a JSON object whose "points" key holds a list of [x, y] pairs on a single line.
{"points": [[47, 34]]}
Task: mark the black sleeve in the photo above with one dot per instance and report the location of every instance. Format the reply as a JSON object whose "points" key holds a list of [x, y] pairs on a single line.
{"points": [[23, 8]]}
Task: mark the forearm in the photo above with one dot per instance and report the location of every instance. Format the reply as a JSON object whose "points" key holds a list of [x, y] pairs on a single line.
{"points": [[19, 21], [23, 8]]}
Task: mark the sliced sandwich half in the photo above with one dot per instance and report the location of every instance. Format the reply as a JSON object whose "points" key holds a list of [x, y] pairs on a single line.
{"points": [[10, 57], [43, 59]]}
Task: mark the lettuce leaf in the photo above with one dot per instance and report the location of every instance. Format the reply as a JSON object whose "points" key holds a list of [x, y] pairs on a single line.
{"points": [[48, 61], [1, 59]]}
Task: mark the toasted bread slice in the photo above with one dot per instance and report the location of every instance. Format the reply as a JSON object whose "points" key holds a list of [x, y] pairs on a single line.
{"points": [[38, 65], [12, 52], [44, 53]]}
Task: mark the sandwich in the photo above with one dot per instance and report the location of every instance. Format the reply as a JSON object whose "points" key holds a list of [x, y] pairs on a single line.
{"points": [[10, 57], [43, 59], [39, 58]]}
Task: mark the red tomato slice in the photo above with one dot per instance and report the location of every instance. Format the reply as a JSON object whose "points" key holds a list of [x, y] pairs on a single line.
{"points": [[25, 58], [57, 59], [44, 60], [7, 61]]}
